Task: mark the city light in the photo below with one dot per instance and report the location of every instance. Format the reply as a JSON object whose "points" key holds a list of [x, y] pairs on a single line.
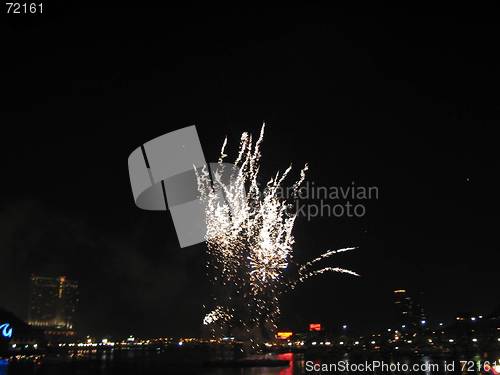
{"points": [[413, 337], [6, 330], [315, 327], [284, 335], [380, 341]]}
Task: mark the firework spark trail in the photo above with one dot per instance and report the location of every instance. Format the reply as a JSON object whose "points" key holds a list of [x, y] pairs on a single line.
{"points": [[325, 255], [326, 269], [249, 239], [219, 313]]}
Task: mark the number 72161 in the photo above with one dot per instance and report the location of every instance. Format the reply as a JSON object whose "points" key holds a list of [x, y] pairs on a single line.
{"points": [[24, 8]]}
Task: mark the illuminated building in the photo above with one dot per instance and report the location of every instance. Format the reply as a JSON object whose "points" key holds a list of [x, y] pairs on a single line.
{"points": [[409, 309], [316, 334], [53, 303]]}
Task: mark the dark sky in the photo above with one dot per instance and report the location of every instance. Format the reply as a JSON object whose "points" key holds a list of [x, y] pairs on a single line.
{"points": [[405, 103]]}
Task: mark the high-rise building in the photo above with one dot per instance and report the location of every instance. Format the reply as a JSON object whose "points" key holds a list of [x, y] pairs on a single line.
{"points": [[409, 309], [53, 303]]}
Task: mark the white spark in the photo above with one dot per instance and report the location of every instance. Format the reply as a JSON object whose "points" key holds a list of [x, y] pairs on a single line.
{"points": [[249, 237]]}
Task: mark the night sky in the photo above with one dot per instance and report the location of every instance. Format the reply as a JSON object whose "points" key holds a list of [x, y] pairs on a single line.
{"points": [[405, 103]]}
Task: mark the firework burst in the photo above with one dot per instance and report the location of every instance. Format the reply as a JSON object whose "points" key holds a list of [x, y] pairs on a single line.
{"points": [[250, 241]]}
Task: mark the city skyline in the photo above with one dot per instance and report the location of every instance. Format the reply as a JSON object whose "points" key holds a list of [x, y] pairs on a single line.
{"points": [[47, 314]]}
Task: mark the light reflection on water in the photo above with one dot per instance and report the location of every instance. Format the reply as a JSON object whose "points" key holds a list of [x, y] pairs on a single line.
{"points": [[156, 363]]}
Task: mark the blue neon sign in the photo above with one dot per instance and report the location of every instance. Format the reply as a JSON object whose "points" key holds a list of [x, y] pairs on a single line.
{"points": [[6, 330]]}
